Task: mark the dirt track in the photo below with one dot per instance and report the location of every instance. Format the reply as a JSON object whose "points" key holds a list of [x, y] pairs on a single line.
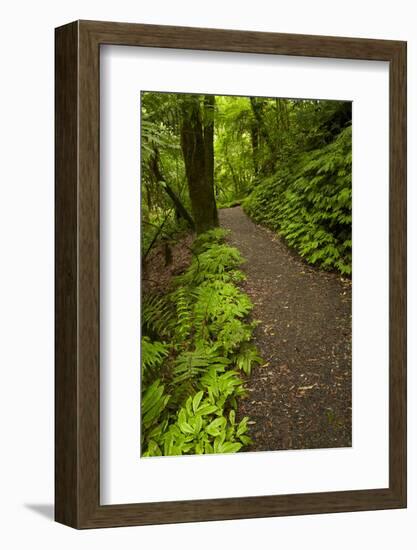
{"points": [[301, 397]]}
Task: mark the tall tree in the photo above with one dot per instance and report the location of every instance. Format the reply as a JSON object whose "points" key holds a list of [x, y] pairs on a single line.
{"points": [[197, 132]]}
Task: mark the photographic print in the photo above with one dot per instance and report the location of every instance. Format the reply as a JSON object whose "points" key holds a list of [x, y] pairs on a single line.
{"points": [[246, 211], [203, 230]]}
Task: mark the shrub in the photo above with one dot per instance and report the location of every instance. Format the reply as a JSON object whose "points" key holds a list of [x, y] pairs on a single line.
{"points": [[309, 203], [195, 344]]}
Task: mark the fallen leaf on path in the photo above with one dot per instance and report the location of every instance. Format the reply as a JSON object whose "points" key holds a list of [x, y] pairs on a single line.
{"points": [[304, 388]]}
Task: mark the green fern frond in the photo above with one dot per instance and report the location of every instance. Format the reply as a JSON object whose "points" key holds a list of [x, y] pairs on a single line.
{"points": [[153, 355], [157, 316], [310, 205], [247, 357], [204, 318], [207, 239], [193, 363]]}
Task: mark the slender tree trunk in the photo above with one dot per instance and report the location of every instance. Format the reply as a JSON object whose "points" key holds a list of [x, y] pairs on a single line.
{"points": [[146, 196], [208, 131], [257, 105], [158, 177], [255, 145], [235, 179], [197, 149]]}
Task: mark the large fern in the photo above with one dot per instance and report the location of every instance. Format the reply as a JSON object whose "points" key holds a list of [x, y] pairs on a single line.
{"points": [[157, 316], [217, 261], [309, 202], [191, 364], [153, 355], [191, 384]]}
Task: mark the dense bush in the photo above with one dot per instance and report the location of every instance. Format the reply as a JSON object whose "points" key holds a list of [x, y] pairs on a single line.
{"points": [[195, 344], [309, 202]]}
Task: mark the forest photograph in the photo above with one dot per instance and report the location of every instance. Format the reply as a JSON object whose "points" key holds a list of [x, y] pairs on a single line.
{"points": [[246, 274]]}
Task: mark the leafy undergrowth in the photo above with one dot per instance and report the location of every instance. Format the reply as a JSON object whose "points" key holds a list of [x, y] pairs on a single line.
{"points": [[309, 203], [196, 350]]}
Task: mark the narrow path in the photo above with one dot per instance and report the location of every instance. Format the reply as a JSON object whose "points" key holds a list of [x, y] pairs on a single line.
{"points": [[301, 397]]}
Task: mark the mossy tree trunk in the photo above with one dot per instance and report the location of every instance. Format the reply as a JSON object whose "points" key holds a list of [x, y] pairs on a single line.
{"points": [[197, 133]]}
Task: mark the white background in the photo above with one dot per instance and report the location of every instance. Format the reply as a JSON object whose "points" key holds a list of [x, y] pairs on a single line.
{"points": [[26, 300], [126, 478]]}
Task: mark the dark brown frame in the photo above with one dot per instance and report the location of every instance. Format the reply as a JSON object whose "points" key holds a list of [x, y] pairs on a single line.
{"points": [[77, 274]]}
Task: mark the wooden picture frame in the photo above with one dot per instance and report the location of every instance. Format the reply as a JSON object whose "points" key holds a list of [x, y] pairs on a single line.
{"points": [[77, 382]]}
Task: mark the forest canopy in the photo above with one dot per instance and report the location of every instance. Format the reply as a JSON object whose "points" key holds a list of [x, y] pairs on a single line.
{"points": [[287, 161]]}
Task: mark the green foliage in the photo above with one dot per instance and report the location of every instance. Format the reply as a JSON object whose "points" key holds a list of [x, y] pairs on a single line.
{"points": [[190, 386], [200, 428], [157, 316], [160, 225], [154, 401], [153, 355], [247, 357], [232, 150], [310, 204], [287, 161], [161, 164], [214, 262], [191, 364], [207, 239]]}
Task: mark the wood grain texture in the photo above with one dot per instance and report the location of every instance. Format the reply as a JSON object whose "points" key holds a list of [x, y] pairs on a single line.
{"points": [[78, 285], [398, 273], [66, 258]]}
